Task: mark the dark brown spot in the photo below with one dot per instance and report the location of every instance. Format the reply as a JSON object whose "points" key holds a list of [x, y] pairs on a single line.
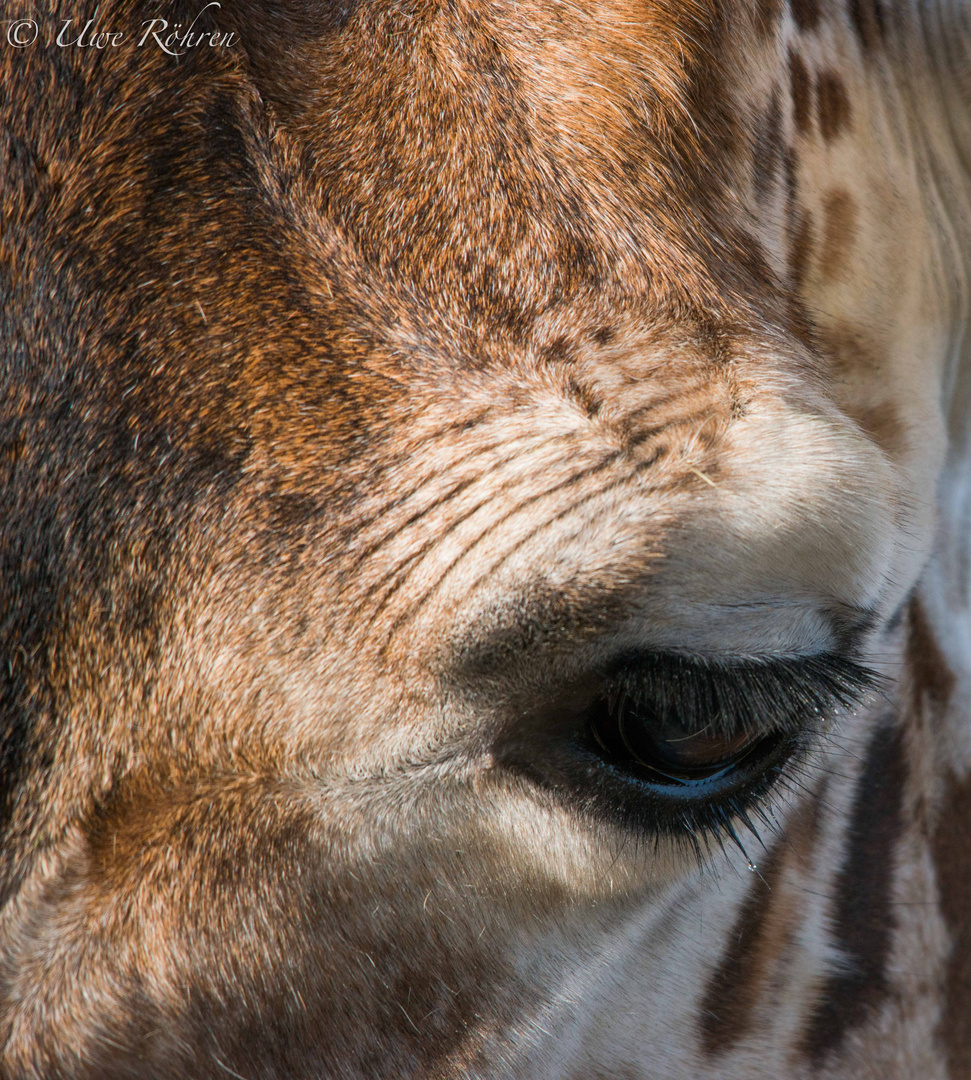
{"points": [[802, 92], [932, 678], [583, 396], [801, 249], [951, 849], [863, 915], [767, 148], [839, 232], [853, 356], [558, 351], [805, 13], [869, 22], [833, 104], [762, 934], [882, 423], [605, 335]]}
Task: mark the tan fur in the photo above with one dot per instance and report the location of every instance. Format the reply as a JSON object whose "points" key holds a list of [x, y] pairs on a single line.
{"points": [[370, 388]]}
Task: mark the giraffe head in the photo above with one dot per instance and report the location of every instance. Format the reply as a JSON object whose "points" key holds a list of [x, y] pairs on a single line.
{"points": [[487, 479], [596, 424]]}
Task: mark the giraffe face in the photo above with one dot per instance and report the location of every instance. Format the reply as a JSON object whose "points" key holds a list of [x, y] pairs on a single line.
{"points": [[481, 488], [653, 459]]}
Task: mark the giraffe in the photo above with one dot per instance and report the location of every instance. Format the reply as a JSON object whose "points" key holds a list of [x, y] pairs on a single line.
{"points": [[484, 563]]}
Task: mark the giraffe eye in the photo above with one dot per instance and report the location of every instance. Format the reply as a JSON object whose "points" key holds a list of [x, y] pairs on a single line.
{"points": [[671, 750], [688, 731], [685, 746]]}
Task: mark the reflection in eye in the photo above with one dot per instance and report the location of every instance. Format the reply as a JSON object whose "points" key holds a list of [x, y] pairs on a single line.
{"points": [[667, 748], [672, 748]]}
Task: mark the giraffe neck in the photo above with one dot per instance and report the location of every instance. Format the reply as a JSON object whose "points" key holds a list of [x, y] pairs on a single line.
{"points": [[940, 88]]}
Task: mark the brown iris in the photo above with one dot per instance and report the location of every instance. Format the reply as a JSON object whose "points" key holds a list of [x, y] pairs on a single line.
{"points": [[635, 731]]}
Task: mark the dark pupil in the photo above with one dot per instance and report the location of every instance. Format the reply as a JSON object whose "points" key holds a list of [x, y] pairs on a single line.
{"points": [[666, 745]]}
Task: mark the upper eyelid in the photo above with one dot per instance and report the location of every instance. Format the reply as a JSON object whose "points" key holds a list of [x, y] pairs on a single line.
{"points": [[819, 667], [790, 686]]}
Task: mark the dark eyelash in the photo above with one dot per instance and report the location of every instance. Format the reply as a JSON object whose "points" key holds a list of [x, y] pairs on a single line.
{"points": [[784, 694]]}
